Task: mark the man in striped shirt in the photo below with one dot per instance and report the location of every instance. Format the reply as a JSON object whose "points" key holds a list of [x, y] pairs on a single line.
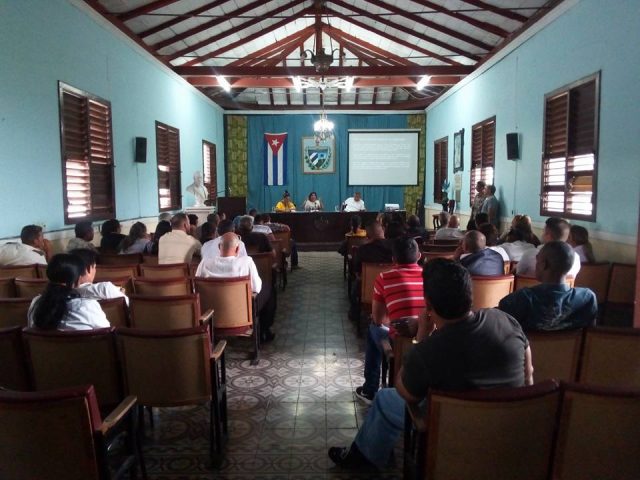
{"points": [[397, 293]]}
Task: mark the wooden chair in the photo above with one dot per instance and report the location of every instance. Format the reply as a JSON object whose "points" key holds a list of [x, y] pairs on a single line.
{"points": [[352, 241], [70, 358], [162, 287], [174, 368], [13, 312], [480, 434], [437, 247], [148, 259], [116, 310], [610, 357], [233, 305], [368, 275], [395, 354], [523, 281], [264, 265], [30, 287], [126, 283], [119, 259], [7, 287], [507, 267], [61, 434], [596, 277], [489, 290], [555, 354], [23, 271], [426, 257], [171, 270], [13, 374], [280, 261], [109, 272], [446, 242], [167, 313], [598, 434], [622, 284]]}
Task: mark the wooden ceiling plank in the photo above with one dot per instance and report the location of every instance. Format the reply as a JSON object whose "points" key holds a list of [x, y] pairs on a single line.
{"points": [[500, 11], [226, 103], [259, 55], [433, 25], [181, 18], [149, 7], [281, 56], [404, 29], [246, 39], [368, 57], [309, 71], [487, 27]]}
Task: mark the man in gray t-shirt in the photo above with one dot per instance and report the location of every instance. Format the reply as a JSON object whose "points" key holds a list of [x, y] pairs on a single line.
{"points": [[491, 206]]}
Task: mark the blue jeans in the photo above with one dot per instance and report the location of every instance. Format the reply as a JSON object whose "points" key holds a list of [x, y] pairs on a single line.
{"points": [[373, 357], [380, 431]]}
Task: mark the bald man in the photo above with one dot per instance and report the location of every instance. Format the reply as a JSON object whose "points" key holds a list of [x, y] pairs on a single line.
{"points": [[451, 230], [479, 259]]}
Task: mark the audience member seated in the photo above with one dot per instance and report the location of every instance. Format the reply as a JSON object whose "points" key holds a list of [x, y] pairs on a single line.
{"points": [[415, 228], [490, 233], [285, 205], [162, 228], [355, 230], [397, 294], [31, 249], [60, 307], [515, 244], [111, 236], [165, 217], [177, 246], [467, 350], [212, 219], [281, 227], [394, 230], [523, 224], [479, 259], [137, 241], [207, 232], [260, 227], [451, 231], [552, 305], [193, 224], [211, 249], [83, 238], [86, 287], [555, 229], [254, 242], [443, 219], [579, 240]]}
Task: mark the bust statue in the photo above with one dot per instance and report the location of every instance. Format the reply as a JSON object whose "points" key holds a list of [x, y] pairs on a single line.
{"points": [[198, 190]]}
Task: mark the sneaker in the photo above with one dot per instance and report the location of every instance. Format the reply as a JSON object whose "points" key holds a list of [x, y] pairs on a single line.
{"points": [[364, 396], [348, 457]]}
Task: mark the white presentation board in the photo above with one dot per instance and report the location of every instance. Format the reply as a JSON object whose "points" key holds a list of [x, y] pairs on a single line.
{"points": [[383, 157]]}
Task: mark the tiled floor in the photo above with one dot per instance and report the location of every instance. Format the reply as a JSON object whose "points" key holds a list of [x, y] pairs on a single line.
{"points": [[285, 412]]}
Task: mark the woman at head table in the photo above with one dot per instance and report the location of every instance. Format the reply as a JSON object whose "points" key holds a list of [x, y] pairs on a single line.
{"points": [[285, 205], [312, 203]]}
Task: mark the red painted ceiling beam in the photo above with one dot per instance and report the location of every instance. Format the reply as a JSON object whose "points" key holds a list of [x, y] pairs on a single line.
{"points": [[396, 71], [149, 7], [181, 18], [281, 82], [487, 27], [265, 52], [500, 11]]}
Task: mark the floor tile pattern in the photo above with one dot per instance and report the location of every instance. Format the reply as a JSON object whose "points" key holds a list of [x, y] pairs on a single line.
{"points": [[285, 412]]}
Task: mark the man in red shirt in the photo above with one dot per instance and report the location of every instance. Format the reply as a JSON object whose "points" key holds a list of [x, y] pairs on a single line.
{"points": [[397, 294]]}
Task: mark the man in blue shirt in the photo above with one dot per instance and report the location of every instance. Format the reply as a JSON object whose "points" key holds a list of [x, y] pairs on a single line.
{"points": [[479, 259], [552, 305]]}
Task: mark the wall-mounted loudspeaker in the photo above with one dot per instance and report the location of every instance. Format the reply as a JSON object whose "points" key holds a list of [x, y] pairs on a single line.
{"points": [[513, 149], [141, 150]]}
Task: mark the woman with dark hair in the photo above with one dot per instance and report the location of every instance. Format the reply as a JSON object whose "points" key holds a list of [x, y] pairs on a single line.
{"points": [[111, 236], [162, 228], [312, 203], [579, 240], [60, 307], [137, 241]]}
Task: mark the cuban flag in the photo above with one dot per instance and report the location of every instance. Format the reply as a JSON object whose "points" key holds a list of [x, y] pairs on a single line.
{"points": [[275, 159]]}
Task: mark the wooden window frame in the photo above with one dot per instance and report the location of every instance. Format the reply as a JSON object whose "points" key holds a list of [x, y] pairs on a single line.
{"points": [[483, 154], [566, 144], [168, 167], [209, 173], [93, 139], [440, 166]]}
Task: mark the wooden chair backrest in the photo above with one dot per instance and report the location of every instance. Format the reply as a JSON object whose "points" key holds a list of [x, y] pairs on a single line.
{"points": [[507, 267], [164, 313], [13, 374], [622, 284], [150, 259], [443, 241], [596, 277], [107, 272], [428, 256], [231, 301], [354, 241], [13, 312], [459, 426], [166, 368], [116, 310], [125, 283], [70, 358], [370, 272], [278, 247], [264, 265], [7, 287], [436, 248], [23, 271], [172, 270], [163, 287], [489, 290], [30, 287], [611, 357], [49, 435], [285, 239], [401, 345], [527, 282], [597, 435], [119, 259], [555, 354]]}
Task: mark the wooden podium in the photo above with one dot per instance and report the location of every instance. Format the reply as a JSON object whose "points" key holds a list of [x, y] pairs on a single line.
{"points": [[232, 206]]}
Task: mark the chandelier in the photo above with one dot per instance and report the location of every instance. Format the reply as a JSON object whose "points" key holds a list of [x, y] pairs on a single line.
{"points": [[323, 128], [300, 83]]}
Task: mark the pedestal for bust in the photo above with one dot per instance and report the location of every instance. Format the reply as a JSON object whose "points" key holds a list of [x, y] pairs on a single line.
{"points": [[201, 212]]}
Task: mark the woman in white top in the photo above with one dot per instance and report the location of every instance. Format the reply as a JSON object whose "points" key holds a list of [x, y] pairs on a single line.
{"points": [[312, 203], [60, 307], [137, 241]]}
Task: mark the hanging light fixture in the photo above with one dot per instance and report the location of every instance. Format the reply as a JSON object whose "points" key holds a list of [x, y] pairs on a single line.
{"points": [[323, 128]]}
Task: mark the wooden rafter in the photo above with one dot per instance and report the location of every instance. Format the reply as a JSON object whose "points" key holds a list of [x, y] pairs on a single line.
{"points": [[487, 27], [309, 71], [267, 52], [369, 57], [181, 18], [281, 82], [227, 103], [149, 7], [406, 30], [500, 11], [340, 64]]}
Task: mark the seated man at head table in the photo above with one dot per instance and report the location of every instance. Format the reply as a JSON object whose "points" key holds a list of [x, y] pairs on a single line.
{"points": [[465, 350], [31, 249], [354, 204]]}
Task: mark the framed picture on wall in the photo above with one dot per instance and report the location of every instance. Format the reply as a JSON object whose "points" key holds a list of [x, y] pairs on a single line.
{"points": [[320, 158], [458, 144]]}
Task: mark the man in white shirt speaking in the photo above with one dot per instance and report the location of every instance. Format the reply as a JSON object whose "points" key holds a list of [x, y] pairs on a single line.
{"points": [[354, 204]]}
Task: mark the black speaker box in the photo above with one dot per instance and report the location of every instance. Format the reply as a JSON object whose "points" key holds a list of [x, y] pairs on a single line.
{"points": [[141, 150], [513, 149]]}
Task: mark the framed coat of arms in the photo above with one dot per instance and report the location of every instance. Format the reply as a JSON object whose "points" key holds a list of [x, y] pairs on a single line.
{"points": [[320, 158]]}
